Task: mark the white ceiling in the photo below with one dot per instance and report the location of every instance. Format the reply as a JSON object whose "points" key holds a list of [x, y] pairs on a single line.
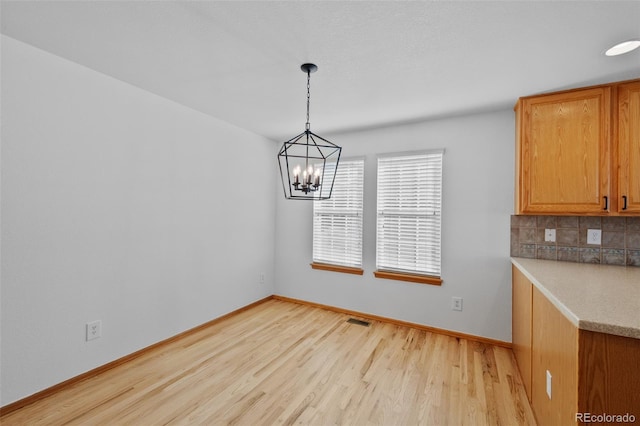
{"points": [[379, 62]]}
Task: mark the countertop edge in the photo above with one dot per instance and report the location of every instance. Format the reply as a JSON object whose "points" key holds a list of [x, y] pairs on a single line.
{"points": [[554, 301], [612, 329]]}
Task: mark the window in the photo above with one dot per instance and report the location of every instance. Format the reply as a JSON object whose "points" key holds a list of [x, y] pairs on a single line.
{"points": [[337, 222], [409, 217]]}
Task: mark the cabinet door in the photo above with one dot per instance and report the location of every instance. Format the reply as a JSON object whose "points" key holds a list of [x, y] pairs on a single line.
{"points": [[628, 139], [554, 350], [609, 375], [564, 152], [521, 326]]}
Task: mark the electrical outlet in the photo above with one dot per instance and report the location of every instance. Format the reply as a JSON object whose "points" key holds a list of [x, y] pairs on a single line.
{"points": [[456, 303], [94, 330], [262, 278], [548, 384], [594, 237], [550, 235]]}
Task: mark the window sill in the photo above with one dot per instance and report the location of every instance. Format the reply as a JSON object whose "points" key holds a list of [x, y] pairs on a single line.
{"points": [[337, 268], [421, 279]]}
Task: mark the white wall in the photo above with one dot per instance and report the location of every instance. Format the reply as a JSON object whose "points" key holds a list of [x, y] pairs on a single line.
{"points": [[121, 206], [477, 204]]}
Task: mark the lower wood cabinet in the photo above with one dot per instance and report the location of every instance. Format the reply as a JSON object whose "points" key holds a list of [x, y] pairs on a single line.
{"points": [[521, 326], [554, 351], [590, 372], [609, 374]]}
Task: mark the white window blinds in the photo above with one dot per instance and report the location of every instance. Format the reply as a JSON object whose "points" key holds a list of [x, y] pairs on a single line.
{"points": [[409, 213], [337, 222]]}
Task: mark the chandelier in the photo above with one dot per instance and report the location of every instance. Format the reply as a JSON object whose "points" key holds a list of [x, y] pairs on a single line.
{"points": [[308, 162]]}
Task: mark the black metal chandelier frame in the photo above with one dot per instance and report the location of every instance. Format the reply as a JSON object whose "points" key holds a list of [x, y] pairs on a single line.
{"points": [[310, 183]]}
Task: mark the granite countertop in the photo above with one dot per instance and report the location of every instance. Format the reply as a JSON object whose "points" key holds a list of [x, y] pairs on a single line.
{"points": [[600, 298]]}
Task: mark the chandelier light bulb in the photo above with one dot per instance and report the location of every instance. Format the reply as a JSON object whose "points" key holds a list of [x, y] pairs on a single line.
{"points": [[296, 175]]}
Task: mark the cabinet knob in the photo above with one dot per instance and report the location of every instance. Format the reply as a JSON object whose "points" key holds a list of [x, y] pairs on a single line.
{"points": [[624, 202], [606, 203]]}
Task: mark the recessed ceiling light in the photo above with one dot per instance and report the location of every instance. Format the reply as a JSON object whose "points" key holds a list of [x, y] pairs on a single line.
{"points": [[622, 48]]}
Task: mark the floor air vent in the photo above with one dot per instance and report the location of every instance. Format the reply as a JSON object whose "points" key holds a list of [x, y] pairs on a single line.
{"points": [[359, 322]]}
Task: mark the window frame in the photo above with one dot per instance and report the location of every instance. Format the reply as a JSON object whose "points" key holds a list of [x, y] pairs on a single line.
{"points": [[428, 275], [345, 209]]}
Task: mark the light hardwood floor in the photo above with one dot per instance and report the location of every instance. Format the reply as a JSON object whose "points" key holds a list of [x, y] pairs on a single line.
{"points": [[286, 363]]}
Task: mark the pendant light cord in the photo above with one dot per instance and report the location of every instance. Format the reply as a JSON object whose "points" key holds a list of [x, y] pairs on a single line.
{"points": [[308, 125]]}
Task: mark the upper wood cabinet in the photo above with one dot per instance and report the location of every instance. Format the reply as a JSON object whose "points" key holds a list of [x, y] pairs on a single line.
{"points": [[578, 151], [628, 147], [563, 145]]}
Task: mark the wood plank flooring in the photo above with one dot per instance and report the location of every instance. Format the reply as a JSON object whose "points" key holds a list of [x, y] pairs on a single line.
{"points": [[286, 363]]}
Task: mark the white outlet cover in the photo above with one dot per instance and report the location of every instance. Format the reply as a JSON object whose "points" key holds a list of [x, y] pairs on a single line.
{"points": [[94, 330], [550, 235], [456, 303], [594, 237], [548, 384]]}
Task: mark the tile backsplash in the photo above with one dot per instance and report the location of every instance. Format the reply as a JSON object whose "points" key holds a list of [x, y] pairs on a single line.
{"points": [[620, 239]]}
